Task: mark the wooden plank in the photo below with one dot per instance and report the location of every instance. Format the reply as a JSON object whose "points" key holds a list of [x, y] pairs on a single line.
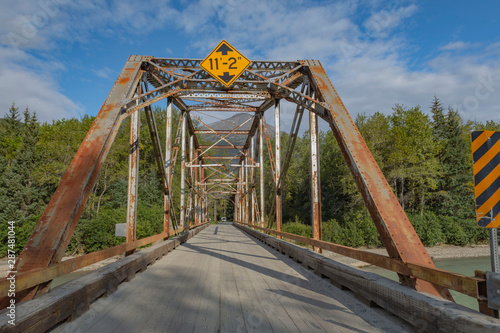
{"points": [[207, 317], [231, 311], [281, 319], [193, 275], [73, 298], [223, 281], [425, 312]]}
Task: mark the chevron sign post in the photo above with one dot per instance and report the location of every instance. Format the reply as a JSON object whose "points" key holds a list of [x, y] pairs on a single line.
{"points": [[486, 157]]}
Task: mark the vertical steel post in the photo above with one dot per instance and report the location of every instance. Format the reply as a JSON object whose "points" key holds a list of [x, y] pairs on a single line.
{"points": [[183, 170], [252, 174], [247, 187], [191, 178], [237, 200], [215, 210], [236, 216], [315, 180], [196, 187], [278, 164], [205, 197], [261, 162], [167, 220], [200, 199], [240, 209], [133, 176]]}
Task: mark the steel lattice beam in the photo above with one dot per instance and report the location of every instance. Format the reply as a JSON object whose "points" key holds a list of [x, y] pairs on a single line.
{"points": [[191, 89]]}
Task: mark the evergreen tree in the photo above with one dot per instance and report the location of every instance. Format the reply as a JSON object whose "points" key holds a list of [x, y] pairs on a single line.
{"points": [[20, 193], [412, 166], [10, 134], [439, 121], [457, 177]]}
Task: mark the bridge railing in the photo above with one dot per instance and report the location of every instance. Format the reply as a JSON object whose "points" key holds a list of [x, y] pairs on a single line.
{"points": [[467, 285], [37, 277]]}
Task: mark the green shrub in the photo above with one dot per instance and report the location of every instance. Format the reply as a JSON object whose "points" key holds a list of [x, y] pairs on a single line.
{"points": [[476, 234], [453, 232], [352, 235], [298, 228], [428, 228], [332, 232], [369, 231]]}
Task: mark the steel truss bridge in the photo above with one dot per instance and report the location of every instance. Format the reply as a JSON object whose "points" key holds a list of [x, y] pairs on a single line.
{"points": [[234, 171]]}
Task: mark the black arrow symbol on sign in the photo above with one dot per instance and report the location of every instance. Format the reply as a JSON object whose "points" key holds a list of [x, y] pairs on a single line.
{"points": [[224, 49], [226, 77]]}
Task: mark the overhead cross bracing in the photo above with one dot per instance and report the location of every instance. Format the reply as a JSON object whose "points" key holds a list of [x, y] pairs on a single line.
{"points": [[224, 163]]}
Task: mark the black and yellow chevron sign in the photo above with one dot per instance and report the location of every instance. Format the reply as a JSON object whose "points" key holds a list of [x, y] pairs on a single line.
{"points": [[486, 156]]}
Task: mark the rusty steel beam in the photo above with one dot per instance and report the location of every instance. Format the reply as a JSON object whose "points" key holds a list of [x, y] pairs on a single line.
{"points": [[191, 177], [155, 142], [53, 231], [183, 170], [252, 130], [195, 184], [277, 166], [222, 165], [221, 147], [280, 177], [315, 179], [223, 138], [200, 188], [167, 219], [221, 132], [247, 187], [133, 176], [252, 176], [396, 231], [261, 162]]}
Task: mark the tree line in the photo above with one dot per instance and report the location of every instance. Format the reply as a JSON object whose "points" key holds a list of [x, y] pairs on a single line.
{"points": [[33, 158], [425, 156]]}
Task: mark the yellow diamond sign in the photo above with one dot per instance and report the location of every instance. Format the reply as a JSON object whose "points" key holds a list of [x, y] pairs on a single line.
{"points": [[225, 63]]}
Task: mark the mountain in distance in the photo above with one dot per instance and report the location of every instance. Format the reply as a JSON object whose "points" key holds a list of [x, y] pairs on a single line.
{"points": [[230, 124]]}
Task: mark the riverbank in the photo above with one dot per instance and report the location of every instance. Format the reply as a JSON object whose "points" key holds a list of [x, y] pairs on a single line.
{"points": [[436, 252]]}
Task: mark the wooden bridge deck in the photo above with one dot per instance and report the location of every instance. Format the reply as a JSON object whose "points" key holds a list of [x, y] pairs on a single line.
{"points": [[223, 281]]}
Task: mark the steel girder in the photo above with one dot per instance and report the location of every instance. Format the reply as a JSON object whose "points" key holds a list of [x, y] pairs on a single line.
{"points": [[260, 87]]}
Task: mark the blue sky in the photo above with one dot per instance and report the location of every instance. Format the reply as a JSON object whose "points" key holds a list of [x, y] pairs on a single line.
{"points": [[61, 57]]}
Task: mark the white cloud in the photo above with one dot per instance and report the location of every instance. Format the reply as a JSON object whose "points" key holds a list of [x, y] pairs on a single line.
{"points": [[368, 64], [368, 60], [459, 45], [31, 88], [368, 85], [383, 21], [105, 73], [39, 26]]}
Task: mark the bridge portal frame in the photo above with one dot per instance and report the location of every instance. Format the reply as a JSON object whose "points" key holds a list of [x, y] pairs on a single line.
{"points": [[190, 88]]}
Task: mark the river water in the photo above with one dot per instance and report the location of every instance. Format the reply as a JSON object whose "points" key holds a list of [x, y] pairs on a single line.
{"points": [[465, 266]]}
